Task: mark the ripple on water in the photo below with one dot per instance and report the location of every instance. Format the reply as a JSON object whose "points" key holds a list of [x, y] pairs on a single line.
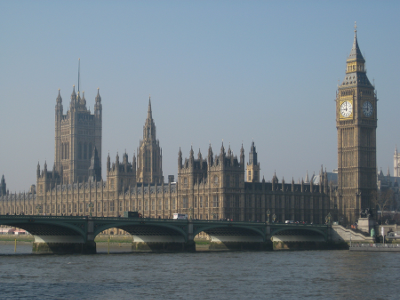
{"points": [[238, 275]]}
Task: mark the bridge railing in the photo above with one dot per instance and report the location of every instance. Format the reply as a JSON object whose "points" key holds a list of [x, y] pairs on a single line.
{"points": [[51, 217]]}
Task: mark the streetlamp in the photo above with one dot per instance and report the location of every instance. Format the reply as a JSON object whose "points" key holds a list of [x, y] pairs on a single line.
{"points": [[273, 218], [90, 205], [268, 212], [38, 207], [191, 213]]}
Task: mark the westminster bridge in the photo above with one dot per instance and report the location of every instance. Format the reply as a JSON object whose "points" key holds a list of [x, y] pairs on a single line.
{"points": [[75, 234]]}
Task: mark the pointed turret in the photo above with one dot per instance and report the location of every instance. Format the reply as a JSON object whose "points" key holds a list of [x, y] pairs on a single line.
{"points": [[180, 159], [210, 156], [98, 98], [108, 163], [253, 155], [82, 101], [134, 163], [73, 98], [355, 53], [229, 151], [95, 167], [38, 170], [59, 99], [242, 156]]}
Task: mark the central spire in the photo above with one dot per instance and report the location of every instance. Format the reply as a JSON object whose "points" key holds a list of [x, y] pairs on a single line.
{"points": [[149, 114]]}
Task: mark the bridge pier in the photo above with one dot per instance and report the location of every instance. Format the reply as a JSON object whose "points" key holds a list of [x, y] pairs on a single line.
{"points": [[238, 243], [162, 244]]}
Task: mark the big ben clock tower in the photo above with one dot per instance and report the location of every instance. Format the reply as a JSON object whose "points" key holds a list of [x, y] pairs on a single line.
{"points": [[356, 122]]}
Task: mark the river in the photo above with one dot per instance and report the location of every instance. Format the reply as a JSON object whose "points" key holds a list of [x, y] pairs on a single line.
{"points": [[202, 275]]}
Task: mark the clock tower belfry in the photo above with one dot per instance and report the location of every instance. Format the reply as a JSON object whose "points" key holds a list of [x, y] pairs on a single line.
{"points": [[356, 122]]}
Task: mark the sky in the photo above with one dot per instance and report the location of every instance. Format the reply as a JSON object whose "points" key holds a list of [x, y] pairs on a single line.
{"points": [[228, 72]]}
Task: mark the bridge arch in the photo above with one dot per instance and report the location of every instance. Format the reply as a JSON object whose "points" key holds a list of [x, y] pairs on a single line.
{"points": [[39, 226], [143, 227], [229, 228], [300, 229]]}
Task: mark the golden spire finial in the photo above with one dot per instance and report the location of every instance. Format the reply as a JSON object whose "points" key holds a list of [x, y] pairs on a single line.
{"points": [[355, 27]]}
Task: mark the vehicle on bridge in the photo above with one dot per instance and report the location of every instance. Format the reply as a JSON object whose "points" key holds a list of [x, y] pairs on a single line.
{"points": [[180, 216], [132, 214]]}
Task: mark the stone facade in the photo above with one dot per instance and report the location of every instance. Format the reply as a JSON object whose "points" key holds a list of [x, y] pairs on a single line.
{"points": [[212, 188]]}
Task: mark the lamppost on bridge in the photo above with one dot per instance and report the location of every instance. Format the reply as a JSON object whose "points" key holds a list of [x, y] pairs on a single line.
{"points": [[273, 218], [38, 207], [191, 213], [268, 212], [90, 205]]}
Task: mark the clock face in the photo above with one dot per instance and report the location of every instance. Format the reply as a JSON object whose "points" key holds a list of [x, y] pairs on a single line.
{"points": [[346, 108], [367, 109]]}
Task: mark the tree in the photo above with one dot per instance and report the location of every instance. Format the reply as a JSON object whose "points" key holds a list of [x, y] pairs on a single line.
{"points": [[383, 200]]}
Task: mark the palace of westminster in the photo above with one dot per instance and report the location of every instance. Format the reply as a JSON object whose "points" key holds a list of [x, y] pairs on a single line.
{"points": [[219, 185]]}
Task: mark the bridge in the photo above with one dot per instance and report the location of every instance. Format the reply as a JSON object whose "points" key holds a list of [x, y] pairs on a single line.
{"points": [[74, 234]]}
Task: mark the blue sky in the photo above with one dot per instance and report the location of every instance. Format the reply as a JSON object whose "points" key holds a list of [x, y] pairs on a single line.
{"points": [[235, 71]]}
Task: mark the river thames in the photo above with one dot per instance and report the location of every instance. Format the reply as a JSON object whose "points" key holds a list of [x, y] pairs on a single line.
{"points": [[202, 275]]}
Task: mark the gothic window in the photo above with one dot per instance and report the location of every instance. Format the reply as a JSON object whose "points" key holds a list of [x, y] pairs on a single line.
{"points": [[105, 206], [160, 204], [133, 205], [146, 205], [53, 209], [173, 203], [69, 208], [237, 181], [215, 201], [121, 206], [111, 205], [201, 202], [112, 183], [75, 208], [185, 181], [185, 202], [98, 207], [166, 203], [237, 201], [152, 205], [81, 207], [195, 202], [58, 208], [215, 180], [63, 208], [228, 180]]}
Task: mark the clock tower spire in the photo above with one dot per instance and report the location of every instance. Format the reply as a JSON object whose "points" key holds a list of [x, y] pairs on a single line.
{"points": [[356, 122]]}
